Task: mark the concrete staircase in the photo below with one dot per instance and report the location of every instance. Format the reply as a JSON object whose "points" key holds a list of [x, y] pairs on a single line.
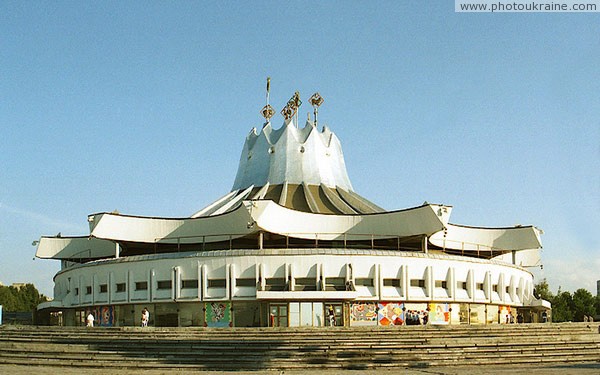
{"points": [[269, 348]]}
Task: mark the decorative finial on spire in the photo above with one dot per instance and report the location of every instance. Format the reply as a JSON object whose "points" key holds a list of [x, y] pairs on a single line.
{"points": [[292, 106], [316, 100], [267, 111]]}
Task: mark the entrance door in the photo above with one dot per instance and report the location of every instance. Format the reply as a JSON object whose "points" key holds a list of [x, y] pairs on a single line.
{"points": [[334, 314], [278, 315]]}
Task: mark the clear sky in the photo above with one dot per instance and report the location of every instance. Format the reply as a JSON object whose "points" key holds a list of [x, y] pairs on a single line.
{"points": [[143, 107]]}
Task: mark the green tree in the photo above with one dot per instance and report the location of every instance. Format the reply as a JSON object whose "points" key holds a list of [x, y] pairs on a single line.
{"points": [[542, 290], [583, 304], [562, 307], [25, 298], [7, 299]]}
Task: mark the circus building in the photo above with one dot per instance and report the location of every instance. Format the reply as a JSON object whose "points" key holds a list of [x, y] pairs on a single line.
{"points": [[293, 244]]}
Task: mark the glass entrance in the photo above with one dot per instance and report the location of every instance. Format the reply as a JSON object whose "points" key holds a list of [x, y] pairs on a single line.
{"points": [[278, 316]]}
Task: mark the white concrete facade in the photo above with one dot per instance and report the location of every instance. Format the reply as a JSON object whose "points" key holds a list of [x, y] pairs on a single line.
{"points": [[499, 283]]}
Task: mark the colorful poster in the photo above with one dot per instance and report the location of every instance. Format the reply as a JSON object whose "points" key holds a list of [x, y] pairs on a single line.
{"points": [[390, 313], [218, 314], [363, 314], [104, 316], [439, 313]]}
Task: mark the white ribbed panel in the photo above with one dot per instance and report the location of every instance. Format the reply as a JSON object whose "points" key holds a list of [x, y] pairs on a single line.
{"points": [[293, 155]]}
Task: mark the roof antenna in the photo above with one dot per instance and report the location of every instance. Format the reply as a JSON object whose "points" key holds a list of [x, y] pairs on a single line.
{"points": [[267, 111], [316, 100]]}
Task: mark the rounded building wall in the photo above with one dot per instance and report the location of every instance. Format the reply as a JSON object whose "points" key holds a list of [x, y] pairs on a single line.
{"points": [[309, 275]]}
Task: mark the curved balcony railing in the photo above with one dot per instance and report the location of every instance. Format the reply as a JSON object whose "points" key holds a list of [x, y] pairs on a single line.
{"points": [[265, 240]]}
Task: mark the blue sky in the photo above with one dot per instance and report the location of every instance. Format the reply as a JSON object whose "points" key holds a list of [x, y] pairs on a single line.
{"points": [[144, 107]]}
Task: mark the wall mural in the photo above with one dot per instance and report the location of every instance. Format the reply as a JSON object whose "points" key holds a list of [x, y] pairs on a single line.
{"points": [[390, 313], [439, 313], [104, 316], [363, 313], [218, 314]]}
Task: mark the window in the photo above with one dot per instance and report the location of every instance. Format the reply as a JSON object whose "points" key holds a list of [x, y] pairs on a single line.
{"points": [[495, 288], [305, 284], [246, 282], [275, 284], [508, 289], [441, 284], [189, 284], [217, 283], [88, 290], [416, 283], [103, 288], [76, 291], [163, 284], [461, 285], [305, 281], [141, 285], [365, 282], [335, 283], [391, 282], [479, 286], [120, 287]]}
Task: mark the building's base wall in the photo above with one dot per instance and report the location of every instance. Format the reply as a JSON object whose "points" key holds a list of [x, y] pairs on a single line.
{"points": [[290, 287], [296, 314]]}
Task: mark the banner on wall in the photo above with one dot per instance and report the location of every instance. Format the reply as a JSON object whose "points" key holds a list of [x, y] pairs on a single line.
{"points": [[218, 314], [390, 313], [439, 313], [363, 314]]}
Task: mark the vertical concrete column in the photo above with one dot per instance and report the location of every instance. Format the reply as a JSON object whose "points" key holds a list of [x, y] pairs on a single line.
{"points": [[109, 286], [94, 283], [291, 277], [429, 282], [150, 291], [200, 281], [204, 281], [471, 285], [452, 282], [227, 281], [232, 283], [404, 281], [128, 284], [502, 288], [378, 282]]}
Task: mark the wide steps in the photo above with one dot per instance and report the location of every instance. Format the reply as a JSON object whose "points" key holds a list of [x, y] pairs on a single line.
{"points": [[253, 349]]}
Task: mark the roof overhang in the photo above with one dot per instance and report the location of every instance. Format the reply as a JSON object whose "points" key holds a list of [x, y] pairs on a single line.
{"points": [[458, 237], [72, 248], [422, 220]]}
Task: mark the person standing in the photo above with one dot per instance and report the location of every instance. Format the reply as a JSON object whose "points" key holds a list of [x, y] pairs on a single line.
{"points": [[331, 314], [90, 319], [145, 317]]}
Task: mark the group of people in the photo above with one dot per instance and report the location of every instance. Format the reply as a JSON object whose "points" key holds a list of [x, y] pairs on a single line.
{"points": [[413, 318], [145, 318]]}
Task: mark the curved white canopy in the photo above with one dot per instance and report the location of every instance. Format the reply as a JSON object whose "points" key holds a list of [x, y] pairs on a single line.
{"points": [[466, 238]]}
